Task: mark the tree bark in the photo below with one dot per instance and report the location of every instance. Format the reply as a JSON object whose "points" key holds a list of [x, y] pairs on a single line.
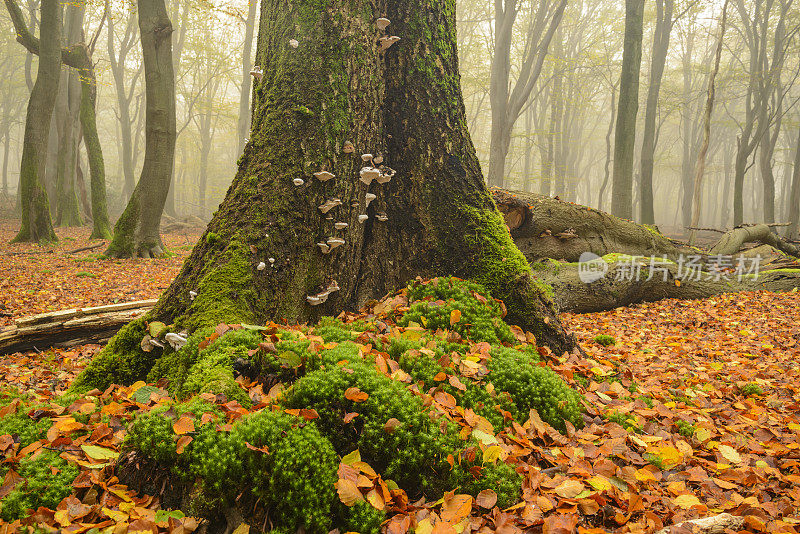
{"points": [[6, 155], [434, 217], [136, 233], [664, 9], [622, 182], [36, 223]]}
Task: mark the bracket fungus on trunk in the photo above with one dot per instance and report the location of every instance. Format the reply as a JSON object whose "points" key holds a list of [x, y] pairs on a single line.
{"points": [[329, 205], [383, 23], [369, 198], [387, 42], [341, 225], [382, 217], [348, 147], [363, 218], [298, 182], [324, 176], [261, 266], [368, 174], [322, 297], [294, 43], [257, 73], [334, 242]]}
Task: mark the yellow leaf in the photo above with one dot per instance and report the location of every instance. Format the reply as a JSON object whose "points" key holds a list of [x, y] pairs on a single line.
{"points": [[600, 483], [352, 458], [492, 454], [686, 501], [702, 434], [244, 528], [455, 316], [184, 425], [348, 492], [730, 454]]}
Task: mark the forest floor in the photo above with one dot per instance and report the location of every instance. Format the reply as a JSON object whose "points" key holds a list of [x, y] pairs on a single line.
{"points": [[693, 411]]}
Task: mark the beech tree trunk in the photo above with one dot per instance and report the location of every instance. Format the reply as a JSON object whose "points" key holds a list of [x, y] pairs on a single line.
{"points": [[625, 137], [435, 217], [36, 223], [661, 36], [136, 233], [243, 124]]}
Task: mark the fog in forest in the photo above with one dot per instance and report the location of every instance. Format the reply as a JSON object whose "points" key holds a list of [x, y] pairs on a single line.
{"points": [[542, 87]]}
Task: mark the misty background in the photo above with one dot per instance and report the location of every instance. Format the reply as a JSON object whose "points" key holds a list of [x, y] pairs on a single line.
{"points": [[560, 119]]}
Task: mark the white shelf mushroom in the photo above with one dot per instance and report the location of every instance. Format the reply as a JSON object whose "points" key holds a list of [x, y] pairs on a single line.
{"points": [[271, 261], [363, 218], [387, 42], [377, 160], [176, 341], [324, 247], [341, 225], [257, 73], [334, 242], [294, 43], [329, 205], [369, 198], [261, 266], [366, 158], [298, 182], [382, 217], [368, 174], [386, 176], [324, 176], [348, 147], [383, 23], [192, 294], [314, 300]]}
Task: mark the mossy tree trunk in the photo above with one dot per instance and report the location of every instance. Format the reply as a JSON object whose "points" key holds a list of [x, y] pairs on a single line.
{"points": [[78, 56], [36, 223], [136, 233], [68, 106], [435, 217], [404, 103]]}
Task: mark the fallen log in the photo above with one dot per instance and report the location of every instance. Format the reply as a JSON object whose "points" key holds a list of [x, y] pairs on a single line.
{"points": [[67, 328]]}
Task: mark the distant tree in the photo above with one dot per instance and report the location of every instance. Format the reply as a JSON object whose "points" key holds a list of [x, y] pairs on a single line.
{"points": [[622, 182], [509, 100], [36, 223], [243, 124], [136, 233], [661, 35]]}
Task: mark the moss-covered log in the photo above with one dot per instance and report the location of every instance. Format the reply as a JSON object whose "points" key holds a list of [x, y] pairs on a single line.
{"points": [[343, 91], [548, 229]]}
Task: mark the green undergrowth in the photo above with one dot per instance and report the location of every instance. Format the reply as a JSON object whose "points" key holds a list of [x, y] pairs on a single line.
{"points": [[48, 479], [377, 386]]}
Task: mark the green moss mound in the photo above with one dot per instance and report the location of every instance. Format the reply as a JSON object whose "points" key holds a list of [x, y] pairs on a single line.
{"points": [[480, 318], [48, 479], [378, 385]]}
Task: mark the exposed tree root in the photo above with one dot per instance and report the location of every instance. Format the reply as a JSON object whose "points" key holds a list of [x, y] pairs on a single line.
{"points": [[716, 524]]}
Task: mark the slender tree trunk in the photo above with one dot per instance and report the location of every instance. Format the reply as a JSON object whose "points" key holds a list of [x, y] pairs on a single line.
{"points": [[101, 226], [661, 36], [607, 168], [439, 216], [794, 197], [6, 155], [622, 184], [36, 223], [709, 109], [687, 120], [136, 233], [243, 124]]}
